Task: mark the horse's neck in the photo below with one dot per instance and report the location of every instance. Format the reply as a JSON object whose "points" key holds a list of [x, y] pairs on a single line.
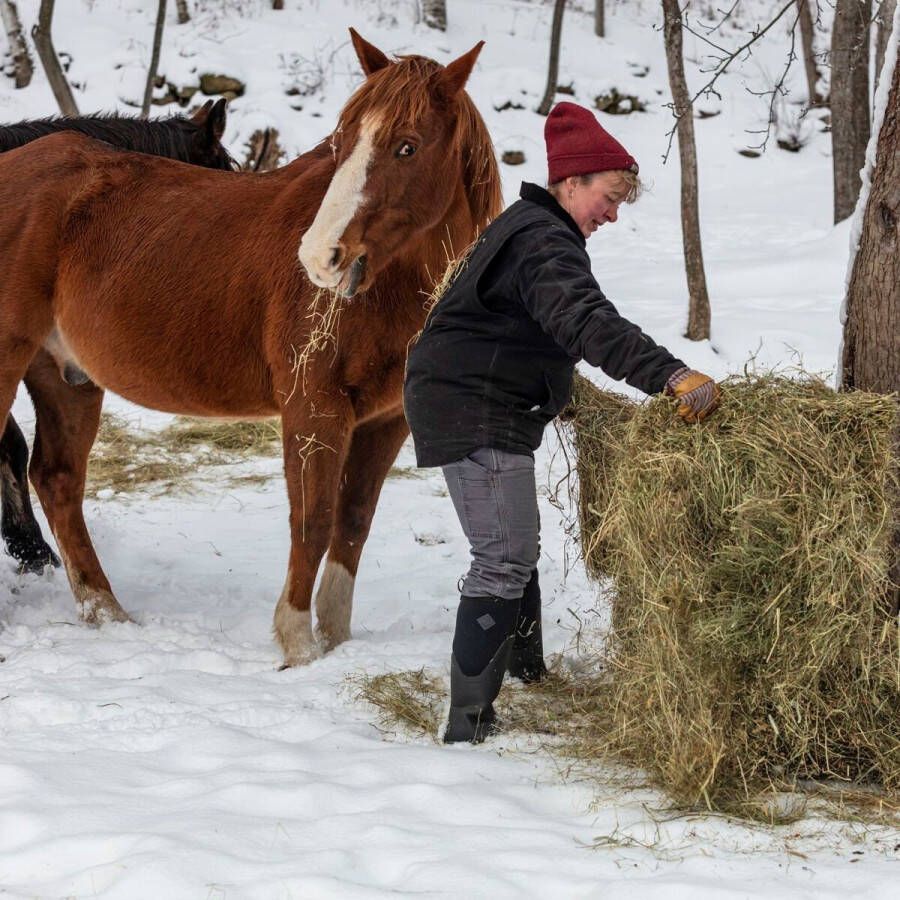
{"points": [[302, 183], [445, 243]]}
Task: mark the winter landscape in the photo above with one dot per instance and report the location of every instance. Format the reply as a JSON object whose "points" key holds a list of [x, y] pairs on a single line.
{"points": [[171, 758]]}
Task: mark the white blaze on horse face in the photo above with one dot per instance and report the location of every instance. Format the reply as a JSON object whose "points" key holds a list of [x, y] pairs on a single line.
{"points": [[319, 248]]}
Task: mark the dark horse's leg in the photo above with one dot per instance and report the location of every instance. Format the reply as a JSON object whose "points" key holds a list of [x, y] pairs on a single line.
{"points": [[373, 449], [20, 530], [67, 421], [315, 446]]}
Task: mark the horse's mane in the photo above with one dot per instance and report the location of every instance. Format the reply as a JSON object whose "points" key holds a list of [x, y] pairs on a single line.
{"points": [[401, 93], [171, 137]]}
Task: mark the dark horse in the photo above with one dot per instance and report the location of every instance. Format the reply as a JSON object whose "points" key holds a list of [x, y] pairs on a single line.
{"points": [[195, 139], [133, 248]]}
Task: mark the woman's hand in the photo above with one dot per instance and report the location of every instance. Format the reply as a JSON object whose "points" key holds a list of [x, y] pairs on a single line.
{"points": [[698, 394]]}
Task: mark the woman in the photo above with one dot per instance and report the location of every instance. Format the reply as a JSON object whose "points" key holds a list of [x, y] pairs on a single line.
{"points": [[494, 365]]}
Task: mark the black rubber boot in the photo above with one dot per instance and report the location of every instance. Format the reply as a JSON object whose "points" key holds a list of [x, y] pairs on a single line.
{"points": [[526, 661], [482, 643], [472, 717]]}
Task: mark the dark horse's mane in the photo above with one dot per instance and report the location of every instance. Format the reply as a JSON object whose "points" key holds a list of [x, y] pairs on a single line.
{"points": [[172, 137]]}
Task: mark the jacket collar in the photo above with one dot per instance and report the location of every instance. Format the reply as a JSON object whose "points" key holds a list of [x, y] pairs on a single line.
{"points": [[534, 194]]}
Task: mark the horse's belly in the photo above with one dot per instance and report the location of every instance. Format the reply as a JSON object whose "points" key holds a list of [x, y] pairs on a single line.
{"points": [[180, 380]]}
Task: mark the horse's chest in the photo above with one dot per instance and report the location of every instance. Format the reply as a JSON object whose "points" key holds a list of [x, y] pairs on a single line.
{"points": [[377, 385]]}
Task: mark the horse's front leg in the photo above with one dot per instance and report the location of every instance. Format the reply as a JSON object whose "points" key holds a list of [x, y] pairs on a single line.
{"points": [[373, 448], [315, 446]]}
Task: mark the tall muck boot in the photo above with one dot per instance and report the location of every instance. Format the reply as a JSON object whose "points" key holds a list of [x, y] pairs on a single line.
{"points": [[526, 660], [481, 647]]}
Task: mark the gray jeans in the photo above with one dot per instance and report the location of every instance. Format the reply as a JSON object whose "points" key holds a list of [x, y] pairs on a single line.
{"points": [[496, 500]]}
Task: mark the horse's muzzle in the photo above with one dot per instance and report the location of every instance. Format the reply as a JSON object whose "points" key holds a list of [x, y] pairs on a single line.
{"points": [[353, 276]]}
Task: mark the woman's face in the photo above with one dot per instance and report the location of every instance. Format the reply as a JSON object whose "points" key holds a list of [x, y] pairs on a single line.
{"points": [[596, 202]]}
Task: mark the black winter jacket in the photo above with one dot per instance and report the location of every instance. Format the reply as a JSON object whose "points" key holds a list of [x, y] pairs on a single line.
{"points": [[494, 362]]}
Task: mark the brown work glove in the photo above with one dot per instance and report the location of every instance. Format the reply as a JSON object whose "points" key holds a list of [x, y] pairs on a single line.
{"points": [[698, 394]]}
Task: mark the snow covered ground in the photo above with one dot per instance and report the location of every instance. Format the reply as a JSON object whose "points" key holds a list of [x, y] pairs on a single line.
{"points": [[170, 758]]}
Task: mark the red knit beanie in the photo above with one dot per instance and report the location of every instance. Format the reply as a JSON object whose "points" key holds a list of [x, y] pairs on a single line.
{"points": [[578, 145]]}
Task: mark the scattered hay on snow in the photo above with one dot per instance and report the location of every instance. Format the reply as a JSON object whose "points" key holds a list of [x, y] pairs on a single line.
{"points": [[261, 437], [412, 700], [125, 460]]}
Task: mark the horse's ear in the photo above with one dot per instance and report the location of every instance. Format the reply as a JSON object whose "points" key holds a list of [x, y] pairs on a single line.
{"points": [[215, 123], [202, 114], [370, 57], [456, 74]]}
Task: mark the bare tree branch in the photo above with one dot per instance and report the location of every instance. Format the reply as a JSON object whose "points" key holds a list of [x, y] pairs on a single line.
{"points": [[777, 90], [43, 43], [720, 68], [154, 58]]}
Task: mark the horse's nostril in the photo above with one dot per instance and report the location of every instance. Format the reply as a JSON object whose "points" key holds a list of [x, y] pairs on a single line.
{"points": [[335, 257]]}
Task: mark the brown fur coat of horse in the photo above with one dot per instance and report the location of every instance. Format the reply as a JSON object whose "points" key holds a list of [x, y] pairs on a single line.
{"points": [[181, 290]]}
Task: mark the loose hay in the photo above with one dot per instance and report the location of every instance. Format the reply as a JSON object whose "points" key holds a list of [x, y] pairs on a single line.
{"points": [[255, 438], [752, 640], [412, 700], [125, 460]]}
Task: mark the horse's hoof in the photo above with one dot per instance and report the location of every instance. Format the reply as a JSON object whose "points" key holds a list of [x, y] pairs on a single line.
{"points": [[293, 631], [101, 608], [32, 557], [301, 657], [331, 639]]}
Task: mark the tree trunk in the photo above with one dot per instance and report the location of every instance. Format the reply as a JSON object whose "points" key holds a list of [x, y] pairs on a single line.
{"points": [[871, 353], [885, 19], [600, 18], [850, 126], [43, 43], [809, 59], [434, 14], [22, 65], [553, 68], [184, 14], [871, 358], [154, 58], [698, 309], [277, 4], [264, 152]]}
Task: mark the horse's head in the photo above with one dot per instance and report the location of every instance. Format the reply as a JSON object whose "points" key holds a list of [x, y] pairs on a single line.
{"points": [[206, 147], [409, 145]]}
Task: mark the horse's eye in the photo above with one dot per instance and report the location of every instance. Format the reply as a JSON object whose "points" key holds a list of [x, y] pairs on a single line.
{"points": [[406, 149]]}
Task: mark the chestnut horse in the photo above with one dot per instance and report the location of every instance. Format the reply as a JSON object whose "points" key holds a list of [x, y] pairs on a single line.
{"points": [[196, 139], [181, 289]]}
